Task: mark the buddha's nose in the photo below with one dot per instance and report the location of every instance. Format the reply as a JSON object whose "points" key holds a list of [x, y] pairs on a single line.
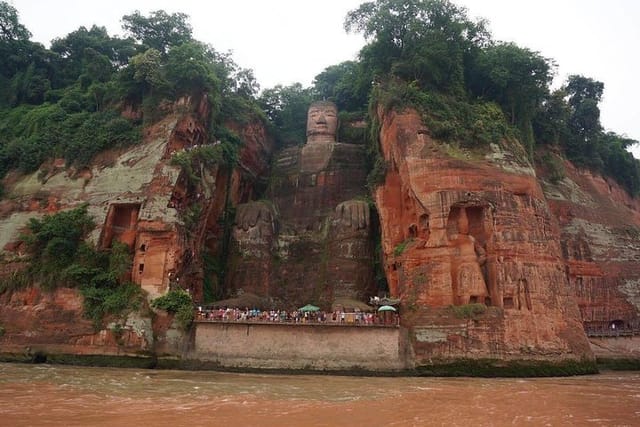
{"points": [[322, 119]]}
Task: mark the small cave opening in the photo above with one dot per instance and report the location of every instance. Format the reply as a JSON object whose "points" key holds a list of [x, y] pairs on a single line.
{"points": [[39, 357], [121, 224], [507, 303]]}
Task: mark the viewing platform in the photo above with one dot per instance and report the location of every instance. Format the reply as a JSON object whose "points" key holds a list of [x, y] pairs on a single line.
{"points": [[607, 332], [296, 318]]}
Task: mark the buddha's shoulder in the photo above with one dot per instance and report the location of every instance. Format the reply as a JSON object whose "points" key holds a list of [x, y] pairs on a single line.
{"points": [[288, 156]]}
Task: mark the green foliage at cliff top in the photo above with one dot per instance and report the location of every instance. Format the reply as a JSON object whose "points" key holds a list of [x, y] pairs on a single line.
{"points": [[427, 54], [67, 101], [471, 90]]}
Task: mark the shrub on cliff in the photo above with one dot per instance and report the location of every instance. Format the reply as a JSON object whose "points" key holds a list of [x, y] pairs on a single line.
{"points": [[179, 303], [100, 276], [59, 256], [468, 311], [400, 247], [53, 242], [100, 302], [448, 117]]}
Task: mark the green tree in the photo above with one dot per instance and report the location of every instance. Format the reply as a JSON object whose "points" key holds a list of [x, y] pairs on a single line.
{"points": [[582, 145], [620, 163], [146, 74], [423, 40], [286, 107], [584, 96], [347, 84], [246, 84], [10, 27], [160, 31], [91, 52], [551, 123], [54, 240], [189, 69], [25, 67], [581, 88], [517, 79]]}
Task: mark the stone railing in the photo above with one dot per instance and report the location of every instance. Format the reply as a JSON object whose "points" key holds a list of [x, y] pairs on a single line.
{"points": [[297, 318], [611, 332]]}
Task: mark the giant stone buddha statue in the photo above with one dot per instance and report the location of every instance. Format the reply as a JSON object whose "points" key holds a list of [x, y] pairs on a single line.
{"points": [[319, 245]]}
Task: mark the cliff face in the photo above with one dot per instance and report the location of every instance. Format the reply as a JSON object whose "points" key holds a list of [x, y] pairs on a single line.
{"points": [[36, 320], [600, 228], [489, 258], [468, 227], [136, 196]]}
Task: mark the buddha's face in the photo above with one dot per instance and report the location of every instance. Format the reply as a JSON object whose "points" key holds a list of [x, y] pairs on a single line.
{"points": [[322, 122]]}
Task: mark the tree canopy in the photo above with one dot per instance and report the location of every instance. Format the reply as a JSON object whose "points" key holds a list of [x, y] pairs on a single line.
{"points": [[67, 100], [286, 107], [427, 54], [159, 30], [10, 27], [427, 41]]}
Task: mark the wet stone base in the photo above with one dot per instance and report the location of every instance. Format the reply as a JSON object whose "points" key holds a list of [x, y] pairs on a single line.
{"points": [[141, 362], [490, 368], [618, 364]]}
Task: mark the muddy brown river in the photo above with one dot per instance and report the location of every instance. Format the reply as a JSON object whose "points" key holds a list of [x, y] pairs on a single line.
{"points": [[45, 395]]}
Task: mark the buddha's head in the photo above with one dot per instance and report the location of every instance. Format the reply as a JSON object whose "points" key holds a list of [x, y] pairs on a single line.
{"points": [[322, 122]]}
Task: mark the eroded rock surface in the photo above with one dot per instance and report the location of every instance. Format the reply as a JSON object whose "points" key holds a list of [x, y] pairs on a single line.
{"points": [[460, 231], [473, 230], [600, 231], [139, 197]]}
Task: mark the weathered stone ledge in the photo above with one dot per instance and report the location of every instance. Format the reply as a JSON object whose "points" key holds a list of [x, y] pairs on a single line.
{"points": [[488, 368], [491, 368]]}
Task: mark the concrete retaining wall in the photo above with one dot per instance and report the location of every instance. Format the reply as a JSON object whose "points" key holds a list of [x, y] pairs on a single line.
{"points": [[616, 347], [300, 346]]}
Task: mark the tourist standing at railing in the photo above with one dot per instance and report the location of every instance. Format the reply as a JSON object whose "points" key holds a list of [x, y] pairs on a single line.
{"points": [[281, 316]]}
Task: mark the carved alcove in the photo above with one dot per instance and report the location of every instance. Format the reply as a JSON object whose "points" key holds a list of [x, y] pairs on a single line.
{"points": [[468, 229], [476, 218], [523, 295], [120, 224], [152, 260], [178, 198]]}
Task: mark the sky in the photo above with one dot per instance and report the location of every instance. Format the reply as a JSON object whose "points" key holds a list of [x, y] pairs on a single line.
{"points": [[287, 41]]}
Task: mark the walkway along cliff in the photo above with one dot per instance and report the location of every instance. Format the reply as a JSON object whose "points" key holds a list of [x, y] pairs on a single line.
{"points": [[493, 265]]}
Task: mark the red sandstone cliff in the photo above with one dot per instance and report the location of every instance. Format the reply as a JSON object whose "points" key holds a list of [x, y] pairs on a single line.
{"points": [[461, 227], [600, 228], [458, 227], [136, 196]]}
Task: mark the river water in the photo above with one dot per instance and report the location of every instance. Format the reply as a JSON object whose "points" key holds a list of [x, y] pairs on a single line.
{"points": [[43, 395]]}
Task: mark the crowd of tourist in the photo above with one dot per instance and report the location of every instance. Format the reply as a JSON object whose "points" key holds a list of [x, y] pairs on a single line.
{"points": [[296, 316]]}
